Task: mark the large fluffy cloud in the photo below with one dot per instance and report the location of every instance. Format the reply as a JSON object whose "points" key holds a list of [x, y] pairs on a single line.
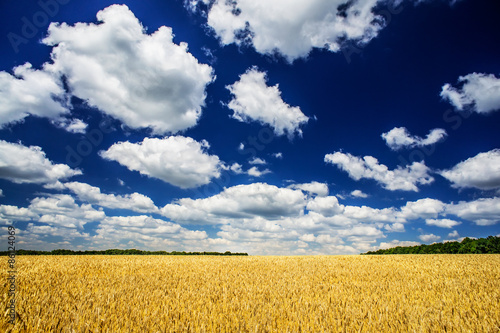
{"points": [[368, 167], [293, 28], [21, 164], [485, 211], [31, 92], [481, 171], [399, 138], [479, 92], [242, 201], [178, 160], [143, 80], [254, 100]]}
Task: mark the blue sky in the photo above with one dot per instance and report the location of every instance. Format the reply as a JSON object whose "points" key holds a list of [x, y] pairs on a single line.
{"points": [[303, 127]]}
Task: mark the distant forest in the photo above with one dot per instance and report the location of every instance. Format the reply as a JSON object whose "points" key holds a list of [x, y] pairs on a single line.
{"points": [[120, 252], [467, 245]]}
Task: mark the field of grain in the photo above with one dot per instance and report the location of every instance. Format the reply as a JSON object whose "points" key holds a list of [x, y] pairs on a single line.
{"points": [[406, 293]]}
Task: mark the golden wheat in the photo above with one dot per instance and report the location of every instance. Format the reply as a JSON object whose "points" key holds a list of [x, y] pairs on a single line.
{"points": [[410, 293]]}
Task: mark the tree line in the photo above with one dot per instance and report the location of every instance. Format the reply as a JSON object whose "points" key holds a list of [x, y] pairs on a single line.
{"points": [[490, 244], [120, 252]]}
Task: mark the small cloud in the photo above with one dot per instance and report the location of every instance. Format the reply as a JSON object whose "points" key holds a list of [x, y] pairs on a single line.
{"points": [[399, 138], [121, 182], [429, 238], [257, 161], [453, 234], [442, 223], [236, 168], [359, 194], [241, 146], [277, 155], [254, 171], [71, 125]]}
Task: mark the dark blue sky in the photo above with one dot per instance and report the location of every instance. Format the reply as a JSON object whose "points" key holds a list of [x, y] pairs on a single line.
{"points": [[120, 166]]}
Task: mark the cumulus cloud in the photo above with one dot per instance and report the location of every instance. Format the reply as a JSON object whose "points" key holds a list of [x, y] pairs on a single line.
{"points": [[453, 234], [319, 189], [257, 161], [359, 194], [484, 211], [292, 28], [177, 160], [143, 80], [400, 138], [422, 208], [326, 206], [479, 92], [31, 92], [136, 202], [255, 172], [21, 164], [254, 100], [242, 201], [442, 223], [145, 228], [428, 238], [71, 125], [481, 171], [405, 179]]}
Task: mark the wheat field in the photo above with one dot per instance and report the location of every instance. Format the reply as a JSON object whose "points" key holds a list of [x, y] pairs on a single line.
{"points": [[405, 293]]}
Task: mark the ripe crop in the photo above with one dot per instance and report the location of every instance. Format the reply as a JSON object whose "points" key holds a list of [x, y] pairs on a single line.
{"points": [[400, 293]]}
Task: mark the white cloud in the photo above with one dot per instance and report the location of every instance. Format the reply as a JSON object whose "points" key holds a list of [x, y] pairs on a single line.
{"points": [[481, 171], [429, 238], [1, 193], [71, 125], [399, 138], [178, 160], [395, 227], [241, 201], [236, 168], [145, 228], [21, 164], [255, 172], [395, 243], [442, 223], [479, 92], [61, 210], [278, 155], [422, 208], [143, 80], [453, 234], [257, 161], [485, 211], [326, 206], [320, 189], [359, 194], [9, 213], [136, 202], [254, 100], [293, 28], [31, 92], [368, 167]]}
